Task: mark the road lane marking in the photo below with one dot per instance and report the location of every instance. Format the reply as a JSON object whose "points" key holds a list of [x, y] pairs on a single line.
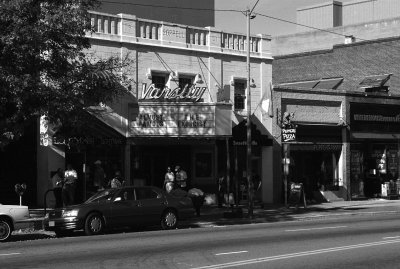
{"points": [[311, 229], [296, 254], [9, 254], [391, 237], [234, 252]]}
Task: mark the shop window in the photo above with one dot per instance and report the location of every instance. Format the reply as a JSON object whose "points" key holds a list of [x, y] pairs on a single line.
{"points": [[240, 94], [203, 164], [159, 80]]}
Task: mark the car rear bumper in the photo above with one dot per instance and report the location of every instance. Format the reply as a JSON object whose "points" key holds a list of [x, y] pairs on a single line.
{"points": [[62, 224]]}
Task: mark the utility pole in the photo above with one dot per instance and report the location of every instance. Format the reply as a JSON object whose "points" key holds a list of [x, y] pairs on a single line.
{"points": [[248, 124]]}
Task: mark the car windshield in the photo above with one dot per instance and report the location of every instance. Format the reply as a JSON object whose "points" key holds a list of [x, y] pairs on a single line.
{"points": [[102, 196]]}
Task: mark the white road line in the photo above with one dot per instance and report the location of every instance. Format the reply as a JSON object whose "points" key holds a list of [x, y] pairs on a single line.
{"points": [[9, 254], [311, 229], [296, 254], [228, 253], [391, 237]]}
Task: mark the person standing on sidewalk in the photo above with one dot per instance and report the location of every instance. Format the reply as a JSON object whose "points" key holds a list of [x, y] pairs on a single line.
{"points": [[180, 177], [169, 180], [117, 181], [68, 191], [57, 183], [98, 176]]}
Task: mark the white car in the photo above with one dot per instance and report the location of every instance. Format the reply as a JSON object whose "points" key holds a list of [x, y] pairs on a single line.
{"points": [[12, 217]]}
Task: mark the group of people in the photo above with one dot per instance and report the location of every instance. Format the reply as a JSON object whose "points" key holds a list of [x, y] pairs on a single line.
{"points": [[64, 183], [175, 179], [100, 179]]}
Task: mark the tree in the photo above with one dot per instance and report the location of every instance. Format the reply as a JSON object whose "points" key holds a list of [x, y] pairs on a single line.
{"points": [[45, 67]]}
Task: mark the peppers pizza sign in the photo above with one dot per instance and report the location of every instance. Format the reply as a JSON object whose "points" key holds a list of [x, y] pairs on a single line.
{"points": [[288, 134]]}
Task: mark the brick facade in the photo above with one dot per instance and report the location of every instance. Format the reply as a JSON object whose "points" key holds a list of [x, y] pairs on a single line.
{"points": [[332, 108]]}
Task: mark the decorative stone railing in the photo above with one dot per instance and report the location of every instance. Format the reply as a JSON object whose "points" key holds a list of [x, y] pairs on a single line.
{"points": [[129, 28]]}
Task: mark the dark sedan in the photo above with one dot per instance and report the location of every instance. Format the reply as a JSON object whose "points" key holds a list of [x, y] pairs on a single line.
{"points": [[123, 207]]}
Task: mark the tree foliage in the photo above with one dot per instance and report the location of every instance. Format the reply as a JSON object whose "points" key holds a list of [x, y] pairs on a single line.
{"points": [[45, 67]]}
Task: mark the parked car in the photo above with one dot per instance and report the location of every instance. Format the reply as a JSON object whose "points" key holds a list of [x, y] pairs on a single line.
{"points": [[12, 217], [123, 207]]}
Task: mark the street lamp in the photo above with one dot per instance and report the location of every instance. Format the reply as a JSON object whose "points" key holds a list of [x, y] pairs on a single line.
{"points": [[250, 188]]}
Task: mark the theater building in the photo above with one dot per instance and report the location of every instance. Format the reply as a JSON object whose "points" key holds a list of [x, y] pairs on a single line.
{"points": [[187, 97]]}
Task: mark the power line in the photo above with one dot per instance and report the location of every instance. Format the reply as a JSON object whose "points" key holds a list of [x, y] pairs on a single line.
{"points": [[254, 6], [322, 30]]}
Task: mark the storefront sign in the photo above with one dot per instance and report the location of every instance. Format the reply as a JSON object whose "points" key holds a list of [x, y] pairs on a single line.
{"points": [[191, 93], [80, 140], [289, 134], [377, 118], [316, 147], [158, 120], [374, 118], [179, 119]]}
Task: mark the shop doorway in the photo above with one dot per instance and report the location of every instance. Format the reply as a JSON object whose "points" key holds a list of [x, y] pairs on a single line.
{"points": [[317, 170], [155, 160]]}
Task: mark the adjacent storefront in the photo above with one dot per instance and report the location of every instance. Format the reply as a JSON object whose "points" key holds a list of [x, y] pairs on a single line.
{"points": [[375, 138]]}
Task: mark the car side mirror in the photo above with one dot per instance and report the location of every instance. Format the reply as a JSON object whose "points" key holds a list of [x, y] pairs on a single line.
{"points": [[117, 199]]}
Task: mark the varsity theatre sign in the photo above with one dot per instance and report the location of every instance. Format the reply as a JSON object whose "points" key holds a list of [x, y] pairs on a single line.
{"points": [[192, 93]]}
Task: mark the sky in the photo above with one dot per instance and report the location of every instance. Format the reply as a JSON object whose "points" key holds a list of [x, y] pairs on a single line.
{"points": [[282, 9]]}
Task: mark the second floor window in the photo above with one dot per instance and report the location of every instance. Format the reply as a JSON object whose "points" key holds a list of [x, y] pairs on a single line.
{"points": [[240, 95], [158, 81], [183, 81]]}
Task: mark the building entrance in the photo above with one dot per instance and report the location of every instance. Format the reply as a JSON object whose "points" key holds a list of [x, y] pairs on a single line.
{"points": [[151, 162], [317, 170]]}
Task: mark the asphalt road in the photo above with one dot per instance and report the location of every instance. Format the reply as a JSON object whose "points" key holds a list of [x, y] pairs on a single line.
{"points": [[352, 242]]}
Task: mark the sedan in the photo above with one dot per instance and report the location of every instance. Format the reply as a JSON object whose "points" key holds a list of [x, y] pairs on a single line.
{"points": [[123, 207], [12, 217]]}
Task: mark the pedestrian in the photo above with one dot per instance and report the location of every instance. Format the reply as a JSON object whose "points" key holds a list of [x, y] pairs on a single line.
{"points": [[180, 177], [169, 180], [117, 181], [197, 197], [70, 180], [98, 176], [221, 185], [57, 182]]}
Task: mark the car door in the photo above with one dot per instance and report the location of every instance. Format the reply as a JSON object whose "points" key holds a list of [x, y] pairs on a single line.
{"points": [[151, 203], [126, 209]]}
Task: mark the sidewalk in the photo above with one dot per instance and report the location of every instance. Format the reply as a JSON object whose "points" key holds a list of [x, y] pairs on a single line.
{"points": [[215, 216]]}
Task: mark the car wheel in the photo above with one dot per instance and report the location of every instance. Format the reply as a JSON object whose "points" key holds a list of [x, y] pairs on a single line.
{"points": [[169, 219], [94, 224], [5, 230]]}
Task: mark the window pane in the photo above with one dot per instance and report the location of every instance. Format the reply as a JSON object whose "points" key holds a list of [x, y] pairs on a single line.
{"points": [[240, 95], [185, 81], [145, 193], [158, 81]]}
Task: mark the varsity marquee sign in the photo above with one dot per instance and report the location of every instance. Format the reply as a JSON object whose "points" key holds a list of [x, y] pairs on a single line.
{"points": [[192, 93]]}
